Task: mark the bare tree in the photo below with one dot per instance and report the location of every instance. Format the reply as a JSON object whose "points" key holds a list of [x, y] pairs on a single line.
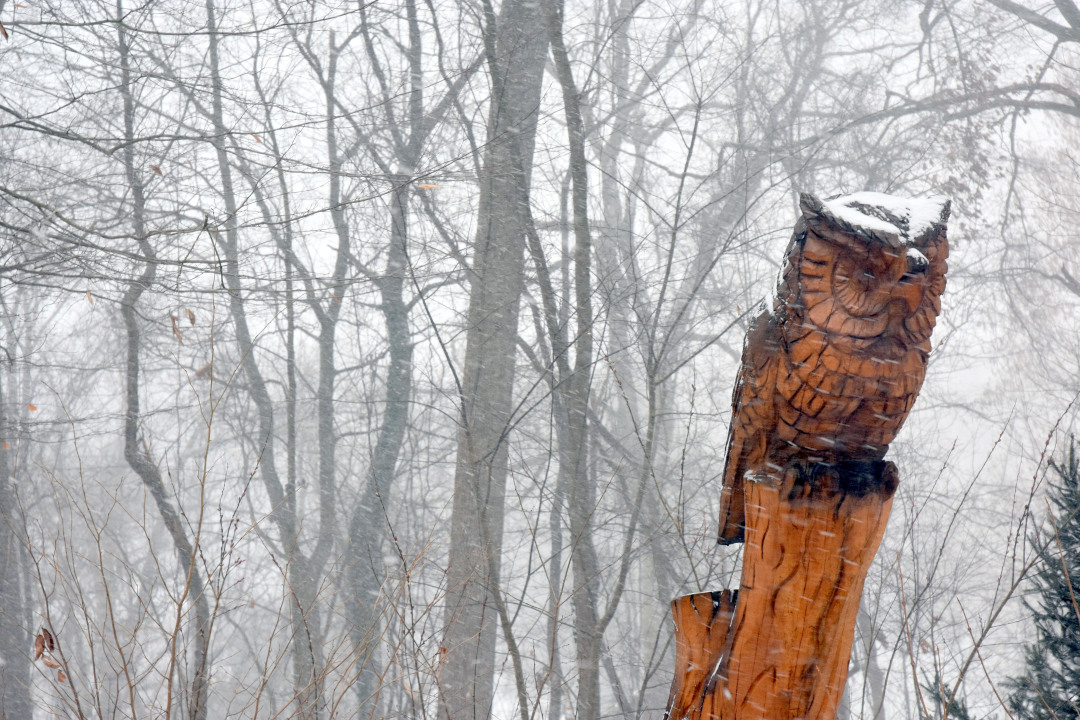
{"points": [[514, 55], [14, 616], [136, 450]]}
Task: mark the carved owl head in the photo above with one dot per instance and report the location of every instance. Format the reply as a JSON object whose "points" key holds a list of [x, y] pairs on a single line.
{"points": [[868, 270]]}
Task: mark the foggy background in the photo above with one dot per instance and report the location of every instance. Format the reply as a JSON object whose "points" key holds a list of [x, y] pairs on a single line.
{"points": [[375, 359]]}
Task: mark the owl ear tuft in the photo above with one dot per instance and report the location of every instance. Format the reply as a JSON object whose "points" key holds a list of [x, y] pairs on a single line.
{"points": [[946, 210], [810, 206]]}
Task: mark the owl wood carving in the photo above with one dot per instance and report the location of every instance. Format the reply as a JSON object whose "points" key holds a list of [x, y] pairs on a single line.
{"points": [[831, 370]]}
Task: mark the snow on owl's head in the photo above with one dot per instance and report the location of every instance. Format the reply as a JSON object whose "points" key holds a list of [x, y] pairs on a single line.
{"points": [[870, 270]]}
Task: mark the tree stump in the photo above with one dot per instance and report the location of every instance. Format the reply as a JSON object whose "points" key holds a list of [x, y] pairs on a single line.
{"points": [[779, 648], [701, 626]]}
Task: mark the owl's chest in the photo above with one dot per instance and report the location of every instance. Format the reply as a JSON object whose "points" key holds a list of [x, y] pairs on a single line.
{"points": [[842, 402]]}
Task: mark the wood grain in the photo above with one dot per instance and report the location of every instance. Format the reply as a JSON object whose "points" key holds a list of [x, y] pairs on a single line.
{"points": [[702, 621], [810, 541], [830, 371]]}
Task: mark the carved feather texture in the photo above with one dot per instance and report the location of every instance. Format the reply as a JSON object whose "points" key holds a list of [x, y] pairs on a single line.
{"points": [[831, 370]]}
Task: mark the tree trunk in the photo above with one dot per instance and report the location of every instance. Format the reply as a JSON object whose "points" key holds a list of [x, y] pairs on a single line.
{"points": [[785, 653], [368, 524], [138, 458], [515, 54], [574, 387], [875, 678], [14, 637]]}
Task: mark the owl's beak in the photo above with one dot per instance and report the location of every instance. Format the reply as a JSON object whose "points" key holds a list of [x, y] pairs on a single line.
{"points": [[911, 292], [910, 286]]}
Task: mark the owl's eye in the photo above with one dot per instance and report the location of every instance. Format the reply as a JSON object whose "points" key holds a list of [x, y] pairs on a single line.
{"points": [[916, 261]]}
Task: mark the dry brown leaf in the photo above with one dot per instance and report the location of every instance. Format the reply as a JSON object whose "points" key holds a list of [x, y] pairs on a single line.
{"points": [[89, 297], [31, 406], [61, 676], [176, 328], [156, 169], [256, 137], [427, 186], [50, 643], [3, 32], [204, 371], [39, 645], [19, 5], [50, 663], [190, 315]]}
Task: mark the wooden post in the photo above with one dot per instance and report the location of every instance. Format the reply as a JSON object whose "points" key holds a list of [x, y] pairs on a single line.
{"points": [[701, 627], [782, 651], [828, 375]]}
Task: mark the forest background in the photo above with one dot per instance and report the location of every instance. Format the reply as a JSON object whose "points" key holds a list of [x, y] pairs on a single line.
{"points": [[375, 359]]}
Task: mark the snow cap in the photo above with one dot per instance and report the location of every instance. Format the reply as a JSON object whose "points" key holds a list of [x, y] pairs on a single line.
{"points": [[888, 219]]}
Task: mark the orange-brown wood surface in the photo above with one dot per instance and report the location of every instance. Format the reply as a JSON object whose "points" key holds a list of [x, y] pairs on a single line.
{"points": [[701, 626], [830, 371], [828, 375], [810, 540]]}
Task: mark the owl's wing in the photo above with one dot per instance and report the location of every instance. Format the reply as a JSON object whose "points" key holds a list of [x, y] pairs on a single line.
{"points": [[753, 410]]}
